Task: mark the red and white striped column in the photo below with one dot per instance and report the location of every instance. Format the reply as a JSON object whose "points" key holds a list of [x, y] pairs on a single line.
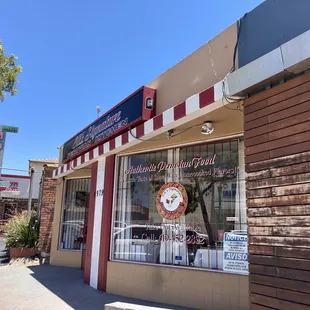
{"points": [[99, 223]]}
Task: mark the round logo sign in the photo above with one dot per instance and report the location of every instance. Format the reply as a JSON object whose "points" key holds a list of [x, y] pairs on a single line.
{"points": [[172, 201]]}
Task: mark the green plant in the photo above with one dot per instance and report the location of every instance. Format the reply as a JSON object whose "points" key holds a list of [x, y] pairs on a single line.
{"points": [[8, 74], [22, 230]]}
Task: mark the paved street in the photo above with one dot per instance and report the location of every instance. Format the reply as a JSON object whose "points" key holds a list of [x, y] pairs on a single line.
{"points": [[49, 287]]}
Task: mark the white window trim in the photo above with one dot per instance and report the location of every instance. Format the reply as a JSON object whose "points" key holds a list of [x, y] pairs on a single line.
{"points": [[115, 185]]}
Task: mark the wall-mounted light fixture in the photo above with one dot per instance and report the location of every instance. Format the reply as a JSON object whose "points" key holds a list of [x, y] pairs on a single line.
{"points": [[170, 133], [207, 128]]}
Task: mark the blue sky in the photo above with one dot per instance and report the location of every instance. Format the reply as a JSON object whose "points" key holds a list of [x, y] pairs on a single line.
{"points": [[79, 54]]}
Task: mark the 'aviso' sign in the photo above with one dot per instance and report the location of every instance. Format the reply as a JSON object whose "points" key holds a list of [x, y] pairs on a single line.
{"points": [[132, 111]]}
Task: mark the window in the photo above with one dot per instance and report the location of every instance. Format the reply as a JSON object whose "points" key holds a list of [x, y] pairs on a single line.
{"points": [[174, 207], [11, 209], [74, 208]]}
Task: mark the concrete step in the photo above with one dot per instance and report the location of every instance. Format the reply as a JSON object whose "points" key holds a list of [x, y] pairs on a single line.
{"points": [[126, 306]]}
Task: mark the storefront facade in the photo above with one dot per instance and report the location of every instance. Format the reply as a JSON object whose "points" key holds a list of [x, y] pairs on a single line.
{"points": [[154, 205], [14, 195]]}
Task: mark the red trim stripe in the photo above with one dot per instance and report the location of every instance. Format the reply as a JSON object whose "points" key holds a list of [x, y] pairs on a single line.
{"points": [[112, 144], [106, 222], [140, 131], [74, 163], [179, 111], [100, 150], [206, 97], [90, 222], [91, 154], [158, 122], [15, 176], [82, 158], [125, 138]]}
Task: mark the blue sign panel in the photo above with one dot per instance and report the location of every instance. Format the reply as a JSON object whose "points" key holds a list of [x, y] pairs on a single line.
{"points": [[131, 111]]}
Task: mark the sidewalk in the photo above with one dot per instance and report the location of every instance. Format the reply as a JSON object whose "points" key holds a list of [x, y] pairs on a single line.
{"points": [[50, 287]]}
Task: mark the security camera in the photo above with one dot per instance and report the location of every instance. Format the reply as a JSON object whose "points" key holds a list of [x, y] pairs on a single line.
{"points": [[207, 128]]}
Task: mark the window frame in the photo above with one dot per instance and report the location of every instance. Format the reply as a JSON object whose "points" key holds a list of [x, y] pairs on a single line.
{"points": [[60, 230], [238, 137]]}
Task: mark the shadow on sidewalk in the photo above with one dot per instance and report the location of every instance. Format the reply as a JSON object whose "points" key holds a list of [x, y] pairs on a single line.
{"points": [[67, 283]]}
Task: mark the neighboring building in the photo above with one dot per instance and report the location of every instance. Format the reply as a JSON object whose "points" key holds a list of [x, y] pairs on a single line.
{"points": [[38, 167], [44, 189], [47, 204], [170, 195], [14, 189], [14, 193]]}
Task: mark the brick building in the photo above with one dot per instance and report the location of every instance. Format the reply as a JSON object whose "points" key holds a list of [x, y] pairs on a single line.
{"points": [[47, 204]]}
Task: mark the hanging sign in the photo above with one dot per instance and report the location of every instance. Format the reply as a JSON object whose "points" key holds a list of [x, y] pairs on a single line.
{"points": [[12, 129], [132, 111], [235, 252], [172, 201]]}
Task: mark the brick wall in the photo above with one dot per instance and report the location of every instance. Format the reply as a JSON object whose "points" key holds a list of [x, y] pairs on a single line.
{"points": [[277, 140], [48, 196]]}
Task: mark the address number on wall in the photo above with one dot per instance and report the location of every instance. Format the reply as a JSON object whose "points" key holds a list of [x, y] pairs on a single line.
{"points": [[99, 192]]}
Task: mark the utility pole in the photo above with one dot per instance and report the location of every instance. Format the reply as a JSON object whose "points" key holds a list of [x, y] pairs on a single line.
{"points": [[30, 189], [2, 144]]}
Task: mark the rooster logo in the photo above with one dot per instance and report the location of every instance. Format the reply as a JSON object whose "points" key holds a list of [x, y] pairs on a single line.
{"points": [[170, 201], [173, 197]]}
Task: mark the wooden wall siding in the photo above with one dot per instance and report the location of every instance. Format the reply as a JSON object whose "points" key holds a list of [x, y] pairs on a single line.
{"points": [[277, 141]]}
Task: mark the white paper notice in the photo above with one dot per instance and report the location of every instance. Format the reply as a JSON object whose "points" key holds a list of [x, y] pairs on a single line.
{"points": [[235, 252]]}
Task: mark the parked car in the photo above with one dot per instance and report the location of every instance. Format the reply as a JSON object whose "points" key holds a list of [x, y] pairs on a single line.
{"points": [[144, 242]]}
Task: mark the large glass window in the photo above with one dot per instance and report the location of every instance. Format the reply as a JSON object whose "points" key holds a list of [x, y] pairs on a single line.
{"points": [[174, 207], [74, 208]]}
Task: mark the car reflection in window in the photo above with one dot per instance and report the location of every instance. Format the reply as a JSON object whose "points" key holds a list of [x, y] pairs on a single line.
{"points": [[143, 243]]}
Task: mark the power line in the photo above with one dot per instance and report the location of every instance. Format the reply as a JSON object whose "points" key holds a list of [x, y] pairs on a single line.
{"points": [[14, 169]]}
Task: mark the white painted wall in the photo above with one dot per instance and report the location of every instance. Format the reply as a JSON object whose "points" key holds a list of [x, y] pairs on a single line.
{"points": [[38, 169]]}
